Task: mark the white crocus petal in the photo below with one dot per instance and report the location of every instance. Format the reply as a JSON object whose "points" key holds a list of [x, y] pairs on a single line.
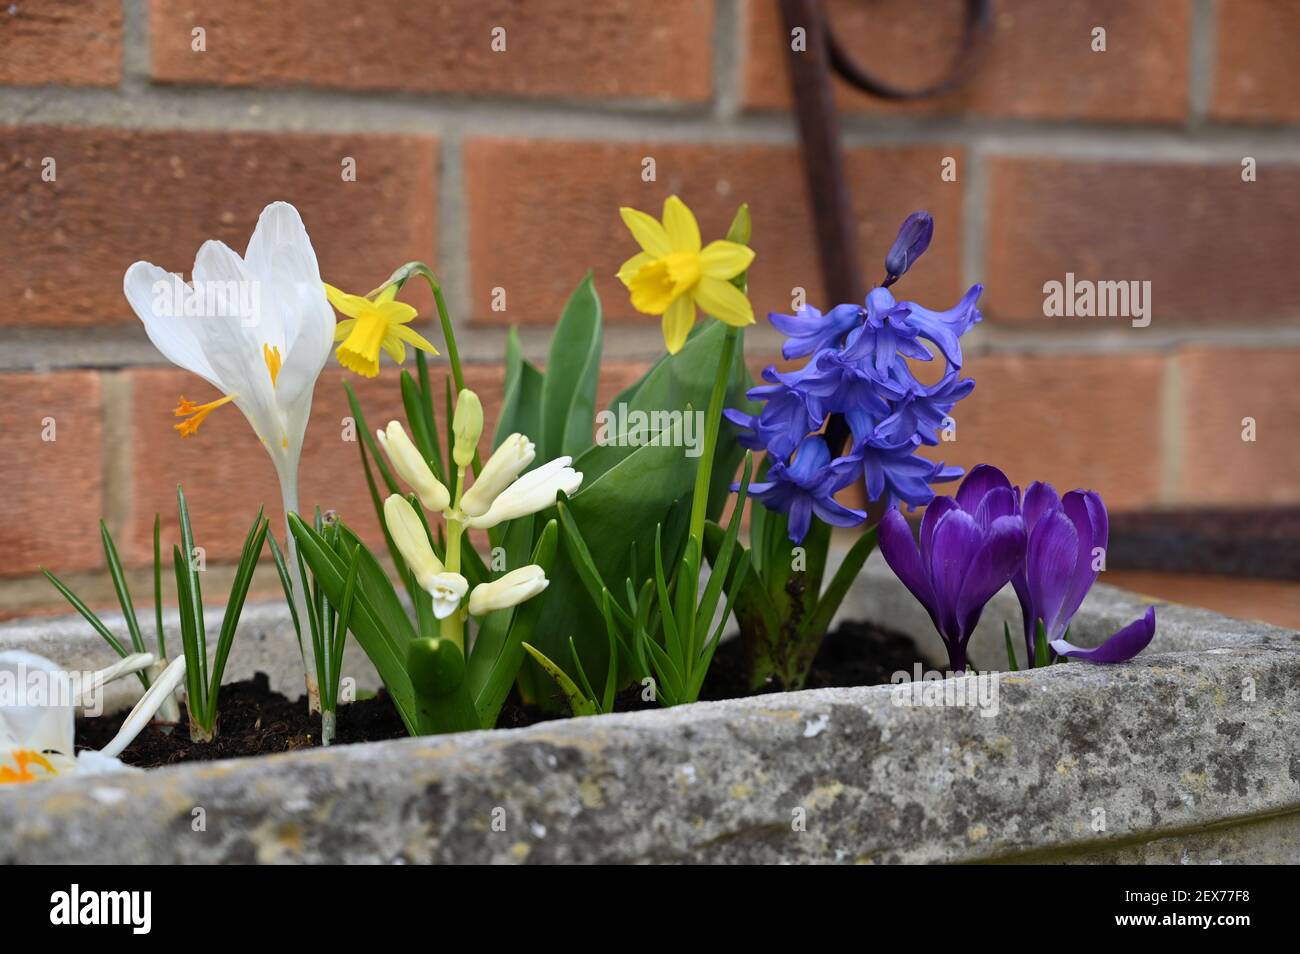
{"points": [[412, 540], [510, 590], [534, 491], [30, 722], [447, 590], [506, 463], [412, 467], [144, 710]]}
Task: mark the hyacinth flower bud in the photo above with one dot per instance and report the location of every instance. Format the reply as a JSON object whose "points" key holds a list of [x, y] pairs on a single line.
{"points": [[412, 468], [467, 425], [506, 463], [913, 239], [510, 590]]}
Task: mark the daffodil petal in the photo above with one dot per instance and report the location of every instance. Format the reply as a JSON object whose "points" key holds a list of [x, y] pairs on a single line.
{"points": [[395, 312], [413, 338], [649, 234], [677, 323], [344, 328], [394, 347], [354, 306], [725, 260], [679, 222], [634, 265], [724, 301]]}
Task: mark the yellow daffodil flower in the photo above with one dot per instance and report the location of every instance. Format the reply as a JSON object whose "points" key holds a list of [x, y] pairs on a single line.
{"points": [[371, 325], [672, 273]]}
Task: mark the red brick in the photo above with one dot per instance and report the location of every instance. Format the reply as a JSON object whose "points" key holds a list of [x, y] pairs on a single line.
{"points": [[618, 49], [121, 196], [1073, 421], [1216, 250], [227, 474], [543, 212], [1221, 388], [1256, 71], [1038, 62], [61, 42], [53, 495]]}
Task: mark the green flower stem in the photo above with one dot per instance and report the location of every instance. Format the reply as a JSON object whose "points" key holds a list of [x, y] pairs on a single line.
{"points": [[453, 626], [712, 423]]}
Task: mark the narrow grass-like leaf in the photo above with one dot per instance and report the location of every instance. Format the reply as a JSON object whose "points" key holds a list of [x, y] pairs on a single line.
{"points": [[192, 585], [89, 616], [118, 576], [194, 685], [578, 703], [248, 559], [1011, 649], [157, 585], [829, 602]]}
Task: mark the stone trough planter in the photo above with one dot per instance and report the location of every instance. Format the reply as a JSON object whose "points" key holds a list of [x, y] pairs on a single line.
{"points": [[1189, 754]]}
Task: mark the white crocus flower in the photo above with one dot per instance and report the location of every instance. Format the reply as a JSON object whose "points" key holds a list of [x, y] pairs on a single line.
{"points": [[510, 590], [534, 491], [37, 734], [258, 328], [506, 463], [412, 541], [447, 590], [412, 467]]}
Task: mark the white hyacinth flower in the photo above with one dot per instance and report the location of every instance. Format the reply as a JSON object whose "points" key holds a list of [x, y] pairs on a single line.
{"points": [[447, 590], [506, 463], [412, 467], [510, 590], [411, 539], [534, 491]]}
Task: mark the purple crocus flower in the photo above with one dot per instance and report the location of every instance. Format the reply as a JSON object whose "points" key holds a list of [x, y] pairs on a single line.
{"points": [[970, 547], [913, 239], [1067, 546], [807, 486], [810, 330]]}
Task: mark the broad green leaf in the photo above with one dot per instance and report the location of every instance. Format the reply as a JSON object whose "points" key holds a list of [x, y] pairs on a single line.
{"points": [[521, 408], [580, 704], [572, 370]]}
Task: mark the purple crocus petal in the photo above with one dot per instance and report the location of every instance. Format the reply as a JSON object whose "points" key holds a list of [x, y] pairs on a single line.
{"points": [[1075, 505], [1000, 554], [981, 479], [933, 511], [998, 502], [1049, 567], [1039, 498], [957, 539], [899, 550], [1121, 647]]}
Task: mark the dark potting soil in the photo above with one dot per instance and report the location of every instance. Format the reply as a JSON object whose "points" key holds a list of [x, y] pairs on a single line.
{"points": [[255, 720]]}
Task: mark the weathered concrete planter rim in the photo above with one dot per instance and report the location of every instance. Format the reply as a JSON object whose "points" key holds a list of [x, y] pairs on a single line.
{"points": [[1187, 754]]}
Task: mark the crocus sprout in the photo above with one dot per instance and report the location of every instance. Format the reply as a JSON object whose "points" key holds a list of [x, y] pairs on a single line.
{"points": [[37, 728], [498, 494], [258, 329], [672, 274]]}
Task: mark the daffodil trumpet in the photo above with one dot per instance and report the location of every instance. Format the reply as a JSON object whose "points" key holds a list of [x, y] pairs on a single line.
{"points": [[256, 327]]}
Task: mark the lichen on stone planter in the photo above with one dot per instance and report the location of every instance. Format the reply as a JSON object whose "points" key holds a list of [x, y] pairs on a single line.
{"points": [[1186, 754]]}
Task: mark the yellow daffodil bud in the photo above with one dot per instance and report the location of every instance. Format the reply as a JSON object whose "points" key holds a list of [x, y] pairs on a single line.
{"points": [[510, 590], [467, 425], [506, 463], [408, 533], [412, 468]]}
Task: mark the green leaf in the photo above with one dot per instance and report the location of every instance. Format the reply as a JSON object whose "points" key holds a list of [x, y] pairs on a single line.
{"points": [[157, 585], [286, 584], [437, 671], [1011, 650], [829, 602], [252, 551], [379, 622], [426, 402], [1042, 653], [118, 576], [521, 408], [89, 616], [578, 703], [421, 428], [195, 686], [192, 586], [572, 370]]}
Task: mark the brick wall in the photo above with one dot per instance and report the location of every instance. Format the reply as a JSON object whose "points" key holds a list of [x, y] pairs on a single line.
{"points": [[505, 170]]}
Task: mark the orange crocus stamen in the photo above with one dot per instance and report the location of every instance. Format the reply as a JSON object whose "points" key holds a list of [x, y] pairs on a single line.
{"points": [[273, 362], [24, 758], [195, 413]]}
